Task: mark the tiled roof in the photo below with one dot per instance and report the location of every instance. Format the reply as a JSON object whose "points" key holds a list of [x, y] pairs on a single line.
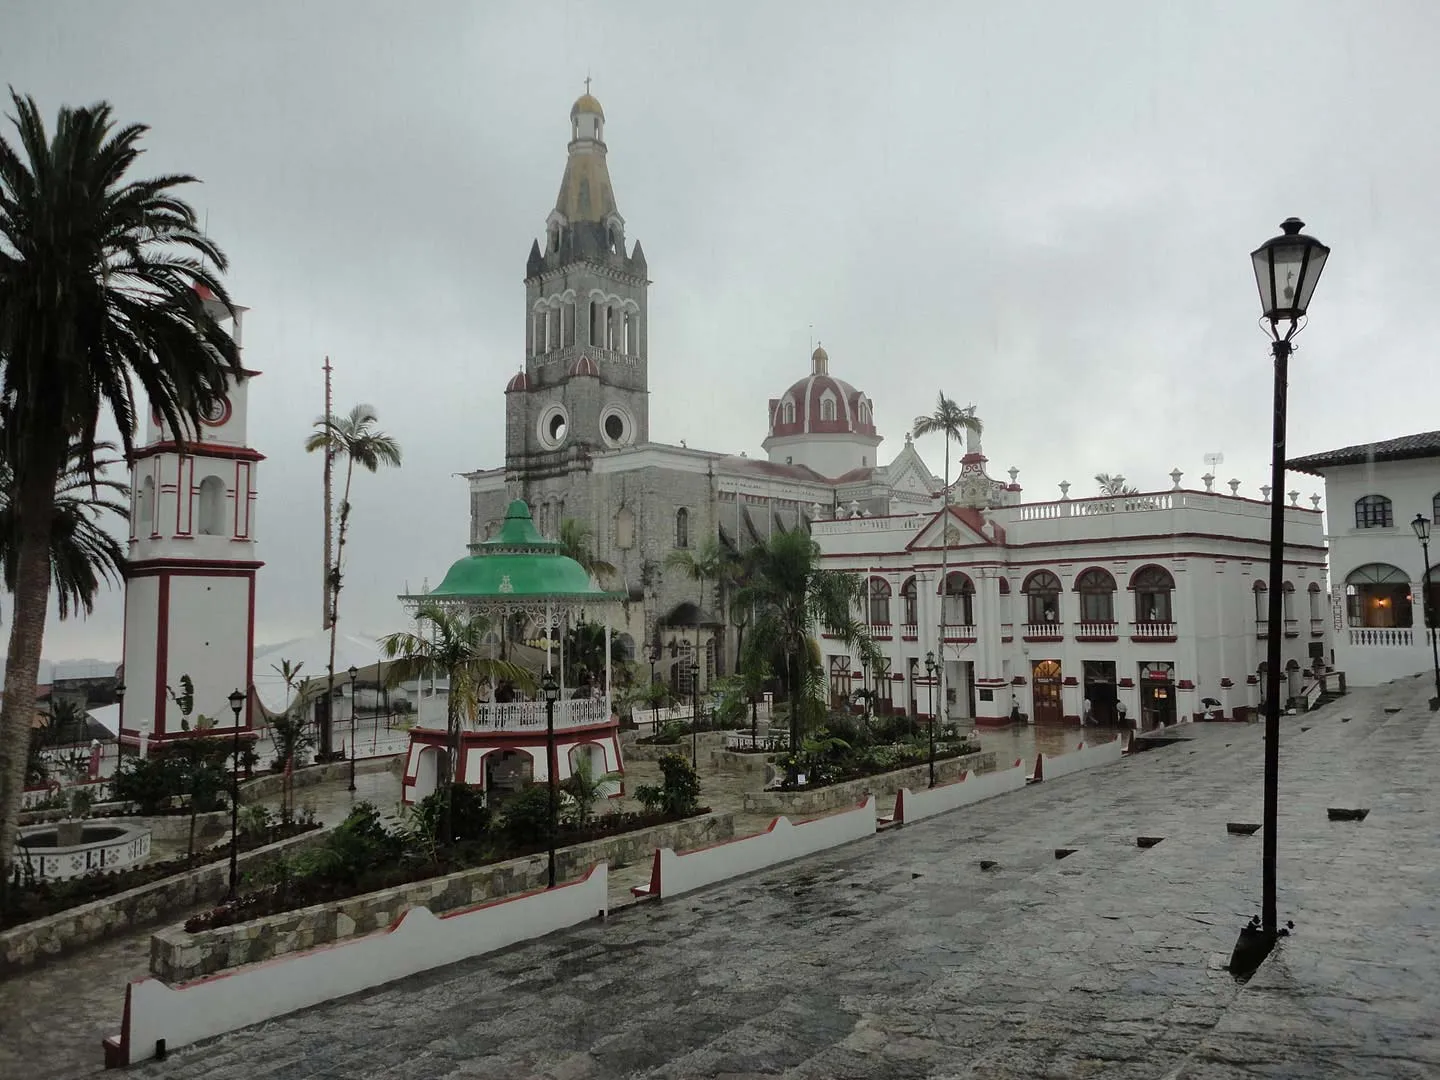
{"points": [[1425, 444]]}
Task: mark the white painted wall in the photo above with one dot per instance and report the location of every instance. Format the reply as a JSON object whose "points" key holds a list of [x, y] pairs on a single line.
{"points": [[912, 806], [420, 941], [828, 455], [141, 607], [210, 642], [1054, 766], [1411, 487], [781, 842]]}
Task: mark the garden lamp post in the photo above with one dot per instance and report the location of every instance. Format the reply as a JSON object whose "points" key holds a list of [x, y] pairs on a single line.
{"points": [[694, 715], [865, 680], [1421, 525], [1287, 269], [237, 699], [930, 666], [120, 701], [550, 687], [354, 671]]}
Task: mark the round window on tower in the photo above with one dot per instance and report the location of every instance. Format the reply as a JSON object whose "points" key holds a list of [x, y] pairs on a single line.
{"points": [[554, 427], [617, 426]]}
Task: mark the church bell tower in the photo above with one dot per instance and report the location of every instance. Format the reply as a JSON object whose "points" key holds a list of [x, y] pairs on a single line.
{"points": [[190, 574], [584, 386]]}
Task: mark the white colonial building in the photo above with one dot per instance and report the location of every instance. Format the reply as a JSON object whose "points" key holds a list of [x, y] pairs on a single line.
{"points": [[1374, 492], [1144, 605]]}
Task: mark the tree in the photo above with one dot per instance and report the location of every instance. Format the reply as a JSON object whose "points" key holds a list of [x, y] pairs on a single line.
{"points": [[288, 734], [577, 542], [82, 554], [1114, 485], [454, 648], [953, 423], [791, 594], [705, 563], [355, 437], [103, 280]]}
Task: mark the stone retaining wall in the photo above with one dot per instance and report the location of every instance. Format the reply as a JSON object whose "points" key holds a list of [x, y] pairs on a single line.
{"points": [[55, 935], [882, 785], [178, 956], [634, 751], [732, 762], [269, 785]]}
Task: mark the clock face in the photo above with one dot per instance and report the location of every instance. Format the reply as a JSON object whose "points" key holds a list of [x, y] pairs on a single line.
{"points": [[217, 412]]}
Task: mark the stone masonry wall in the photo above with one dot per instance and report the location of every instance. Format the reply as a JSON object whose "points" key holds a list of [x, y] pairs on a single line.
{"points": [[883, 786], [177, 956], [55, 935], [269, 785]]}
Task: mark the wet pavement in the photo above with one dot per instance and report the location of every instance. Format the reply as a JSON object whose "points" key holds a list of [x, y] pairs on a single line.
{"points": [[901, 956]]}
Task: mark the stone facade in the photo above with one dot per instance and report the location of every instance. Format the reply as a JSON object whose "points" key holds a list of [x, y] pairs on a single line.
{"points": [[883, 786], [55, 935], [178, 956]]}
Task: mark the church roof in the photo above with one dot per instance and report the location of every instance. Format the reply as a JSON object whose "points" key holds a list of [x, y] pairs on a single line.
{"points": [[586, 103], [801, 409], [1425, 444]]}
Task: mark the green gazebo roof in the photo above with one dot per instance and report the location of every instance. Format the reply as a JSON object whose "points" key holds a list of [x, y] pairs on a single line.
{"points": [[517, 566]]}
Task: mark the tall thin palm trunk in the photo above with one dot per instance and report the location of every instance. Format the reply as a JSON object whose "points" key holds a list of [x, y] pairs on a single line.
{"points": [[36, 503], [328, 735], [944, 573]]}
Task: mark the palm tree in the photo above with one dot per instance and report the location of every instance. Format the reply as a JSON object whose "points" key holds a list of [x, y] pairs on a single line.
{"points": [[455, 647], [577, 542], [100, 283], [954, 423], [702, 564], [1114, 485], [355, 437], [82, 554], [792, 594]]}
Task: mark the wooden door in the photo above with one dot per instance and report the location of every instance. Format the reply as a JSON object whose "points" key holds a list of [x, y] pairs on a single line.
{"points": [[1045, 683]]}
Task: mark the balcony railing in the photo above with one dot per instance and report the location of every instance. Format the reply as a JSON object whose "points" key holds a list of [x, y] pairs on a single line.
{"points": [[1095, 630], [1007, 631], [909, 630], [1317, 627], [518, 716], [1150, 631], [881, 629], [1375, 637], [959, 632], [1043, 631], [1262, 627], [1292, 627]]}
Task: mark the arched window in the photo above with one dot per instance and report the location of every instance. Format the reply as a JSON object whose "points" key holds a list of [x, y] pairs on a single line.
{"points": [[1435, 509], [1097, 596], [1378, 595], [1262, 601], [212, 507], [909, 600], [879, 602], [1152, 586], [145, 512], [1374, 512], [787, 411], [827, 408], [597, 321], [682, 528], [959, 602], [1042, 593], [1287, 601], [1317, 612], [628, 345]]}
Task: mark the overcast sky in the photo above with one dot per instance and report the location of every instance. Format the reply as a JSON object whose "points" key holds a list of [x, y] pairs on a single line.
{"points": [[1043, 208]]}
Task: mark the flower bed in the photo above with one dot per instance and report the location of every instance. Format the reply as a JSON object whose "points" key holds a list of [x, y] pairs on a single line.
{"points": [[27, 902], [822, 799], [808, 771]]}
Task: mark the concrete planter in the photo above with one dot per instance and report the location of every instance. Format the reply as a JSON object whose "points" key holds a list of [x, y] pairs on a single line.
{"points": [[732, 762], [882, 785], [55, 935], [178, 956], [709, 740], [269, 786]]}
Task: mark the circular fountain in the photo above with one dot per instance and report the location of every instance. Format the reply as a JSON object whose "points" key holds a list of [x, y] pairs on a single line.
{"points": [[68, 849]]}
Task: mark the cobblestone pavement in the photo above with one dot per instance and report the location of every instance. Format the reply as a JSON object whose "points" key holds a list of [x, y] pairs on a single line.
{"points": [[901, 956]]}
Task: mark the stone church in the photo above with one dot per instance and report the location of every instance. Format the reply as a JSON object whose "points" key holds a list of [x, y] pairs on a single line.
{"points": [[577, 433]]}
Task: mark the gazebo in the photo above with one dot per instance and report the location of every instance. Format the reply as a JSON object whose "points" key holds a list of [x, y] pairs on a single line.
{"points": [[503, 743]]}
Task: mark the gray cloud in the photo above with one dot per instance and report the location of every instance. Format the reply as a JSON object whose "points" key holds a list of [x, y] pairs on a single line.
{"points": [[1045, 209]]}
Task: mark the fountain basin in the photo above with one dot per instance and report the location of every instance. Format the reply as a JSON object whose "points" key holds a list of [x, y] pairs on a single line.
{"points": [[69, 849]]}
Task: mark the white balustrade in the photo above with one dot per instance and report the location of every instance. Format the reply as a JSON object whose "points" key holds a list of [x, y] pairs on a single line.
{"points": [[1095, 629], [1043, 630], [959, 631], [1146, 631], [1396, 637], [523, 715], [909, 630]]}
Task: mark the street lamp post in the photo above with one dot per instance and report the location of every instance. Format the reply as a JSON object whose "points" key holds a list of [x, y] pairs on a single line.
{"points": [[237, 699], [1287, 269], [120, 701], [694, 715], [865, 680], [550, 687], [354, 671], [1421, 525], [930, 667]]}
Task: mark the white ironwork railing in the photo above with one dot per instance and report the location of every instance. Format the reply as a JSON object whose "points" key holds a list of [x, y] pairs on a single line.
{"points": [[1148, 630], [1396, 637], [518, 715], [653, 719], [1007, 629]]}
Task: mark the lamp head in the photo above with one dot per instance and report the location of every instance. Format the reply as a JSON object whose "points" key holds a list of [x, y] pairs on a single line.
{"points": [[550, 687], [1421, 525], [1287, 269], [353, 672], [237, 699]]}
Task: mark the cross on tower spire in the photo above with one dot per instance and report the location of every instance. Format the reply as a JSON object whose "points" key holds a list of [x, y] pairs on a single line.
{"points": [[587, 83]]}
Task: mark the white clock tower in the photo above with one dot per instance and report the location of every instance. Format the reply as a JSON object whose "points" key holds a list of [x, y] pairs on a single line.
{"points": [[190, 578]]}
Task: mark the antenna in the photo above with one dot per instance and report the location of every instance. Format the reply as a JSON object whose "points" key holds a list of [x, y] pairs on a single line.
{"points": [[1212, 460]]}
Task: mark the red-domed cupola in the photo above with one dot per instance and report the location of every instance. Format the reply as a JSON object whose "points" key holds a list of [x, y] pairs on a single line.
{"points": [[519, 383], [822, 422]]}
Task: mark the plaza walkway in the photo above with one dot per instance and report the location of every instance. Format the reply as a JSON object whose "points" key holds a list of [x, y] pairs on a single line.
{"points": [[902, 956]]}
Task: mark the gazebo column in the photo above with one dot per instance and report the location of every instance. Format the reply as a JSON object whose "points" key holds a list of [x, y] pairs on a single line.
{"points": [[608, 689], [549, 625]]}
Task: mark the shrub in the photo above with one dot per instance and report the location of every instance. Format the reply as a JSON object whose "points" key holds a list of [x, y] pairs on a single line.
{"points": [[679, 792], [255, 820], [357, 844], [525, 818], [585, 787], [470, 816]]}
